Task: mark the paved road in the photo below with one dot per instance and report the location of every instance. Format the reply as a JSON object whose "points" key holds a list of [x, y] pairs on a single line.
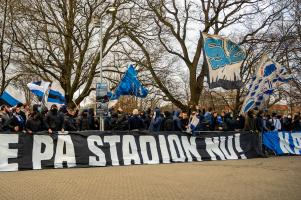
{"points": [[272, 178]]}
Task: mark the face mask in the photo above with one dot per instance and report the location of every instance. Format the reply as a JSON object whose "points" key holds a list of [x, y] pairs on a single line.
{"points": [[54, 110], [39, 109]]}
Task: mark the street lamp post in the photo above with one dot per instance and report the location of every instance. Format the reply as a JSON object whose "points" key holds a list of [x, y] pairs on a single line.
{"points": [[98, 23]]}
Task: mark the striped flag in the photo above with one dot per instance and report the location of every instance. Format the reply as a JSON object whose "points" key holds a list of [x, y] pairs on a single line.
{"points": [[43, 90], [39, 88], [55, 97], [11, 97]]}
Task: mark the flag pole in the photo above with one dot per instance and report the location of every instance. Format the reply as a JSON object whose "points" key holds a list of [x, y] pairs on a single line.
{"points": [[45, 95]]}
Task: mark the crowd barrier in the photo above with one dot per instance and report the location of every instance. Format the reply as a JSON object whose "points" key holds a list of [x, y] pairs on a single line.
{"points": [[282, 143], [94, 148]]}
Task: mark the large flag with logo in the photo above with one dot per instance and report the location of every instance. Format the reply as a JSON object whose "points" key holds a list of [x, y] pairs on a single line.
{"points": [[224, 59], [43, 90], [268, 77], [129, 85]]}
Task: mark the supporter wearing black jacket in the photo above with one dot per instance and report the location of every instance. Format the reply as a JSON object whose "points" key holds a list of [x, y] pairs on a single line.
{"points": [[135, 122], [240, 122], [122, 121], [93, 120], [114, 119], [250, 122], [229, 122], [147, 118], [21, 113], [297, 123], [84, 121], [17, 122], [54, 120], [168, 122], [4, 118], [287, 123], [70, 120], [35, 122], [259, 121]]}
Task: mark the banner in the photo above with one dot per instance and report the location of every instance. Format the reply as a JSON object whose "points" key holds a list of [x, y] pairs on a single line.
{"points": [[283, 142], [95, 148], [224, 59]]}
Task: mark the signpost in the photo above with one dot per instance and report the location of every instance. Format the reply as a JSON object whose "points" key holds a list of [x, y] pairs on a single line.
{"points": [[101, 102]]}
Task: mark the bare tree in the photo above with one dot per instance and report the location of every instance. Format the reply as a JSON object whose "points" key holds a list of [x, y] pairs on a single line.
{"points": [[57, 41], [6, 45], [162, 31]]}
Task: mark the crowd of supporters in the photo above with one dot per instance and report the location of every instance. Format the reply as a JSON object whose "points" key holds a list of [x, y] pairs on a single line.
{"points": [[22, 118]]}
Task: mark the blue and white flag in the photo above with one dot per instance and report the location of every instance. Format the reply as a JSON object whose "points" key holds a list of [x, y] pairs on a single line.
{"points": [[283, 142], [130, 85], [39, 88], [55, 97], [45, 93], [11, 98], [224, 59], [268, 77]]}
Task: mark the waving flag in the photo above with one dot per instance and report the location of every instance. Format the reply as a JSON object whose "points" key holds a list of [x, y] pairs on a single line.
{"points": [[55, 97], [45, 93], [11, 98], [7, 99], [39, 88], [130, 85], [224, 59], [268, 77]]}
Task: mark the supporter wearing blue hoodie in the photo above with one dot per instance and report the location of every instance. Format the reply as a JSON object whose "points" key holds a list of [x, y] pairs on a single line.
{"points": [[177, 124], [208, 118], [156, 122]]}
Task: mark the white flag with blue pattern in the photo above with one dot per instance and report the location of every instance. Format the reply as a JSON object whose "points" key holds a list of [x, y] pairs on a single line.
{"points": [[268, 77]]}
